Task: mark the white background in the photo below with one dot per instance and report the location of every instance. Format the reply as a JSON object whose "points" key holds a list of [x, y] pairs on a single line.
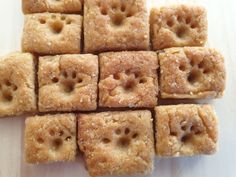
{"points": [[222, 35]]}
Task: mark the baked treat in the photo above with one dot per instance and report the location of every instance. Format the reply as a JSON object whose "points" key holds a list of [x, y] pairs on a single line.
{"points": [[17, 89], [123, 146], [191, 72], [50, 138], [115, 25], [60, 6], [185, 130], [178, 26], [128, 79], [49, 33], [68, 83]]}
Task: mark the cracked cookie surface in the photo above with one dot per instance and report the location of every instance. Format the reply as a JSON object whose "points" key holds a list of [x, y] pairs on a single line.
{"points": [[128, 79], [68, 82], [58, 6], [124, 145], [50, 138], [17, 84], [191, 72], [185, 130]]}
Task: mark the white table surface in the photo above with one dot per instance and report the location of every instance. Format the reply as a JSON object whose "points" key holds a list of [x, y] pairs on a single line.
{"points": [[222, 35]]}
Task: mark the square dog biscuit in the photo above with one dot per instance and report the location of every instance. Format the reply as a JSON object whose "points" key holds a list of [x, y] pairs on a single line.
{"points": [[185, 130], [123, 146], [178, 26], [115, 25], [60, 6], [50, 138], [17, 84], [49, 33], [192, 73], [68, 82], [128, 79]]}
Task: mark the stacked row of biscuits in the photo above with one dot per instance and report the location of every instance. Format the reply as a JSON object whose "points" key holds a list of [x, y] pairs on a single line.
{"points": [[79, 56]]}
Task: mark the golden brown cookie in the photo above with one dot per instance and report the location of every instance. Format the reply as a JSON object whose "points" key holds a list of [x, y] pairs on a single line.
{"points": [[68, 82], [191, 72], [128, 79], [117, 143], [115, 25], [178, 26]]}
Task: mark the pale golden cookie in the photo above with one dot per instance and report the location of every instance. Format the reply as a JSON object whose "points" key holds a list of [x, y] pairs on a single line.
{"points": [[185, 130]]}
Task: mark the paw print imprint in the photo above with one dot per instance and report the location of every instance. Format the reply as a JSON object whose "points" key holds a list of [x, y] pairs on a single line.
{"points": [[55, 140], [124, 138], [7, 89], [68, 80], [129, 80], [118, 11], [181, 25], [55, 23], [186, 131], [197, 70]]}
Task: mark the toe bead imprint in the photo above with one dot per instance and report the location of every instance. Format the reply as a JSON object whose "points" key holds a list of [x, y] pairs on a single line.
{"points": [[123, 138], [55, 23], [186, 131], [55, 139], [68, 80], [7, 89], [118, 11]]}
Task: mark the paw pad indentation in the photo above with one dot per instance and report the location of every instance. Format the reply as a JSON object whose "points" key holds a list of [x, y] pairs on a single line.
{"points": [[7, 89], [181, 31], [106, 140], [118, 11], [128, 81], [197, 71], [57, 143], [55, 23], [186, 130], [194, 76], [68, 80], [181, 25], [125, 137], [40, 140]]}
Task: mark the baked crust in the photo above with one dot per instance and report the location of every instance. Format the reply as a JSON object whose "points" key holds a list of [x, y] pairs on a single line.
{"points": [[192, 72], [17, 84], [115, 25], [62, 6], [51, 33], [50, 138], [123, 146], [128, 79], [185, 130], [178, 26], [68, 82]]}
